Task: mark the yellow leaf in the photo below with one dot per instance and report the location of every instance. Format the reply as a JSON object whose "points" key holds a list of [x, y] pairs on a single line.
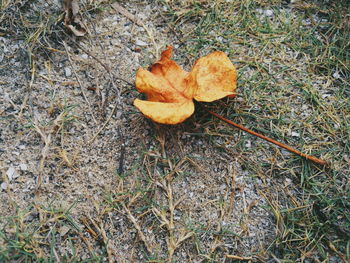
{"points": [[170, 90], [215, 77], [166, 113]]}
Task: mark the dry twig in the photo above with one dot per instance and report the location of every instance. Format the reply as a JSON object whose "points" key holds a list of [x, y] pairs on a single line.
{"points": [[137, 226], [166, 218], [46, 137], [309, 157], [80, 84], [117, 7], [238, 257]]}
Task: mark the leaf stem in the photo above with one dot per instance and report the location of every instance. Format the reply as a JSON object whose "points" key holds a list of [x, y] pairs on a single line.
{"points": [[309, 157]]}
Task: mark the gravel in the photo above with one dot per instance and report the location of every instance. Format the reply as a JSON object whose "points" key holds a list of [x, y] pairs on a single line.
{"points": [[88, 171]]}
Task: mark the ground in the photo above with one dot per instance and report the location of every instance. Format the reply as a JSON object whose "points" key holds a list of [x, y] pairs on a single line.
{"points": [[86, 178]]}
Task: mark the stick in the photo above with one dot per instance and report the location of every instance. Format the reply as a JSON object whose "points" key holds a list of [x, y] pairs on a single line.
{"points": [[117, 7], [138, 228], [80, 84], [238, 257], [309, 157]]}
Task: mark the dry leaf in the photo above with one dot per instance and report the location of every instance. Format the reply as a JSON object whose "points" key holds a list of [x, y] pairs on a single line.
{"points": [[72, 19], [170, 90]]}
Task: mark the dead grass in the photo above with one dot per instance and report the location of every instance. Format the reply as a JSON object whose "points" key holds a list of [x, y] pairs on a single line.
{"points": [[198, 192], [289, 65]]}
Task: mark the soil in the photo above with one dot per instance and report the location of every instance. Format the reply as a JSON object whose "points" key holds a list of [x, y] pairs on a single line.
{"points": [[71, 138]]}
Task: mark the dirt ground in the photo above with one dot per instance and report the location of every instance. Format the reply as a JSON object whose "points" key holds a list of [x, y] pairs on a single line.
{"points": [[106, 183]]}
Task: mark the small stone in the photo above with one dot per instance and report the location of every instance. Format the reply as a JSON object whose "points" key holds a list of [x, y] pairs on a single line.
{"points": [[63, 230], [23, 167], [118, 115], [268, 12], [295, 134], [140, 43], [67, 71], [248, 144], [287, 182], [336, 75], [3, 186], [346, 158], [11, 173]]}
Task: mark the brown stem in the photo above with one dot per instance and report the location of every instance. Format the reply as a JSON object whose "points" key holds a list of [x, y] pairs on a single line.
{"points": [[309, 157]]}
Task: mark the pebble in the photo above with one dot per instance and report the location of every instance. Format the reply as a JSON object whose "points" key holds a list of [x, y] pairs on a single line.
{"points": [[3, 186], [67, 71], [118, 115], [140, 43], [23, 167], [287, 182], [336, 75], [12, 173], [295, 134], [268, 12], [248, 144], [63, 230]]}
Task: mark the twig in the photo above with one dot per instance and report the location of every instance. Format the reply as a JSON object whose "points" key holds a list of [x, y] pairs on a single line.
{"points": [[166, 220], [47, 138], [102, 231], [117, 7], [111, 75], [105, 66], [104, 125], [80, 84], [86, 241], [238, 257], [24, 103], [309, 157], [233, 192], [107, 244], [120, 169], [138, 228], [137, 21]]}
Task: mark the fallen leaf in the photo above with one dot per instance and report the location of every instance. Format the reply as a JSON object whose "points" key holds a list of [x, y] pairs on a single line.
{"points": [[72, 19], [170, 90]]}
